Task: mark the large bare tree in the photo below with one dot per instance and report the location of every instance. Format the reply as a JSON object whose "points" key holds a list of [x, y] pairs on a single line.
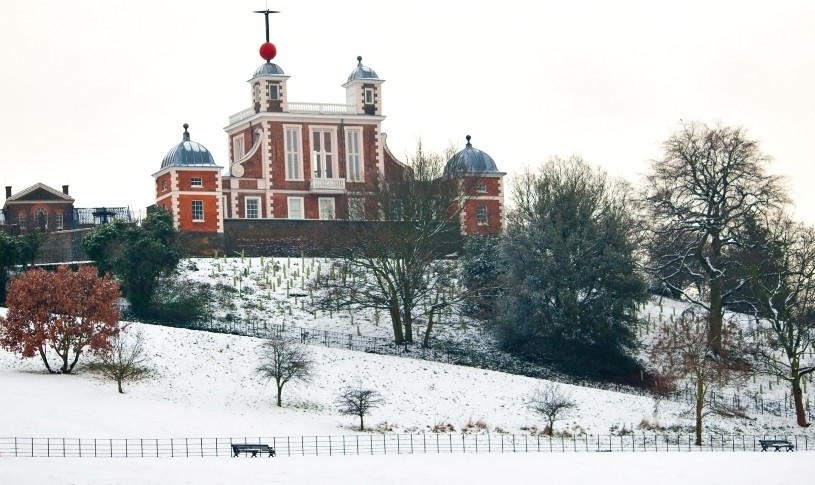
{"points": [[784, 306], [390, 262], [709, 181]]}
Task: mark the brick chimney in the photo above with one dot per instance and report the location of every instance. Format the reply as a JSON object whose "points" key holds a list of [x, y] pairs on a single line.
{"points": [[8, 191], [65, 189]]}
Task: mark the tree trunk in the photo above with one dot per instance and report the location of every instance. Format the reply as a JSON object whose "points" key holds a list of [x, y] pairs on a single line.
{"points": [[407, 318], [714, 329], [426, 341], [396, 320], [361, 425], [280, 395], [119, 382], [45, 360], [798, 397], [76, 359], [700, 406]]}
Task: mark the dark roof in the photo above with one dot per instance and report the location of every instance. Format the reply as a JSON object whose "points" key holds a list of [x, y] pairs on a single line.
{"points": [[362, 72], [470, 160], [268, 69], [188, 154]]}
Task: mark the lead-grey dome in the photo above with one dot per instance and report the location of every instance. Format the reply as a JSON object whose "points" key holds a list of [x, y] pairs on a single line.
{"points": [[470, 160], [268, 69], [188, 154], [362, 72]]}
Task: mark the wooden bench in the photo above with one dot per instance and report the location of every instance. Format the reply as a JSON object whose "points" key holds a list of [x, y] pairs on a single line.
{"points": [[253, 448], [777, 444]]}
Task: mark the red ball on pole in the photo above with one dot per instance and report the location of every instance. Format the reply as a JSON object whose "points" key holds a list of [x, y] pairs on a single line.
{"points": [[268, 51]]}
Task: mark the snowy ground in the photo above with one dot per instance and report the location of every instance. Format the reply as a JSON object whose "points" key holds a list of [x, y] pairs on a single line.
{"points": [[594, 468], [204, 385]]}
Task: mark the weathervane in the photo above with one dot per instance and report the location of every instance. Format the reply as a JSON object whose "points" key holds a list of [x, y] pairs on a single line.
{"points": [[267, 50]]}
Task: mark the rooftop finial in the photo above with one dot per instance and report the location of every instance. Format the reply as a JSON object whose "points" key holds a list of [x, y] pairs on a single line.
{"points": [[468, 140], [186, 133], [267, 50], [359, 60]]}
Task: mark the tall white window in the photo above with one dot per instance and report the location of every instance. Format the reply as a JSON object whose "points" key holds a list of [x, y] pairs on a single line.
{"points": [[256, 93], [356, 208], [369, 96], [198, 210], [481, 215], [322, 143], [59, 221], [21, 219], [238, 150], [294, 153], [295, 207], [252, 207], [353, 149], [327, 208], [274, 92], [196, 182]]}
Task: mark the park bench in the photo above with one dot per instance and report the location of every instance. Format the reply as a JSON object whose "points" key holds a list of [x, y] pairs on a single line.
{"points": [[777, 444], [253, 448]]}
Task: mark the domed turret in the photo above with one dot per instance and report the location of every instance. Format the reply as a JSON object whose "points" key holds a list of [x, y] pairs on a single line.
{"points": [[188, 154], [362, 72], [470, 161], [268, 69]]}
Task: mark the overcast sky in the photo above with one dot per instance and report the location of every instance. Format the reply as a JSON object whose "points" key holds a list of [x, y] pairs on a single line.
{"points": [[93, 93]]}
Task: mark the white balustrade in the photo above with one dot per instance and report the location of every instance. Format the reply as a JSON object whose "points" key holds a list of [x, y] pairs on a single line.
{"points": [[327, 185]]}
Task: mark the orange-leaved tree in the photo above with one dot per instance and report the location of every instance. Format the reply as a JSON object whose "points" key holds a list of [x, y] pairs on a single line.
{"points": [[64, 312]]}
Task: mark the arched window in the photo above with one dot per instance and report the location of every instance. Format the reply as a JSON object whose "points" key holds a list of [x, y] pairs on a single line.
{"points": [[41, 218]]}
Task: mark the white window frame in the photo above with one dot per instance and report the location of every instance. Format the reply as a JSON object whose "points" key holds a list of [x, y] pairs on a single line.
{"points": [[354, 156], [238, 147], [59, 221], [224, 206], [481, 215], [201, 204], [327, 213], [293, 151], [481, 187], [356, 209], [322, 153], [302, 208], [164, 186], [21, 218], [368, 96], [196, 182], [274, 91], [246, 200]]}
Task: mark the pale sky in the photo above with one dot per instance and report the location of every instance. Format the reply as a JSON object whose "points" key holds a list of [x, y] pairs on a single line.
{"points": [[93, 93]]}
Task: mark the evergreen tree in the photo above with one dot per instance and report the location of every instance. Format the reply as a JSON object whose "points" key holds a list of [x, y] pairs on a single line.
{"points": [[572, 288]]}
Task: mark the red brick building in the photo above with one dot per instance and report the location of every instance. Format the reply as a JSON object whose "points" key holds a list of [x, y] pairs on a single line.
{"points": [[39, 207], [304, 160]]}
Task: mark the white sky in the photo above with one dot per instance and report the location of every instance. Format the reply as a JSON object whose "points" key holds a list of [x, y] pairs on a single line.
{"points": [[93, 93]]}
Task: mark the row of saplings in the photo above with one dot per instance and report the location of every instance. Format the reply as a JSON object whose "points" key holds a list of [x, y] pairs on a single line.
{"points": [[69, 313]]}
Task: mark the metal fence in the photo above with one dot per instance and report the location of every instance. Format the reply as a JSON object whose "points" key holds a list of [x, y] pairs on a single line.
{"points": [[450, 353], [382, 444]]}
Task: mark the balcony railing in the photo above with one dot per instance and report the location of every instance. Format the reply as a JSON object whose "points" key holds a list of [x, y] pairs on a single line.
{"points": [[242, 115], [327, 185], [321, 108]]}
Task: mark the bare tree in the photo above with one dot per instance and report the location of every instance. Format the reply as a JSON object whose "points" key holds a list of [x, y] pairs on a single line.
{"points": [[358, 400], [682, 350], [125, 361], [284, 361], [709, 181], [412, 219], [551, 402], [784, 307]]}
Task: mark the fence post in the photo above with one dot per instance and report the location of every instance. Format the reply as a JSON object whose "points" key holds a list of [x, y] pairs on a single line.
{"points": [[450, 439], [172, 449]]}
